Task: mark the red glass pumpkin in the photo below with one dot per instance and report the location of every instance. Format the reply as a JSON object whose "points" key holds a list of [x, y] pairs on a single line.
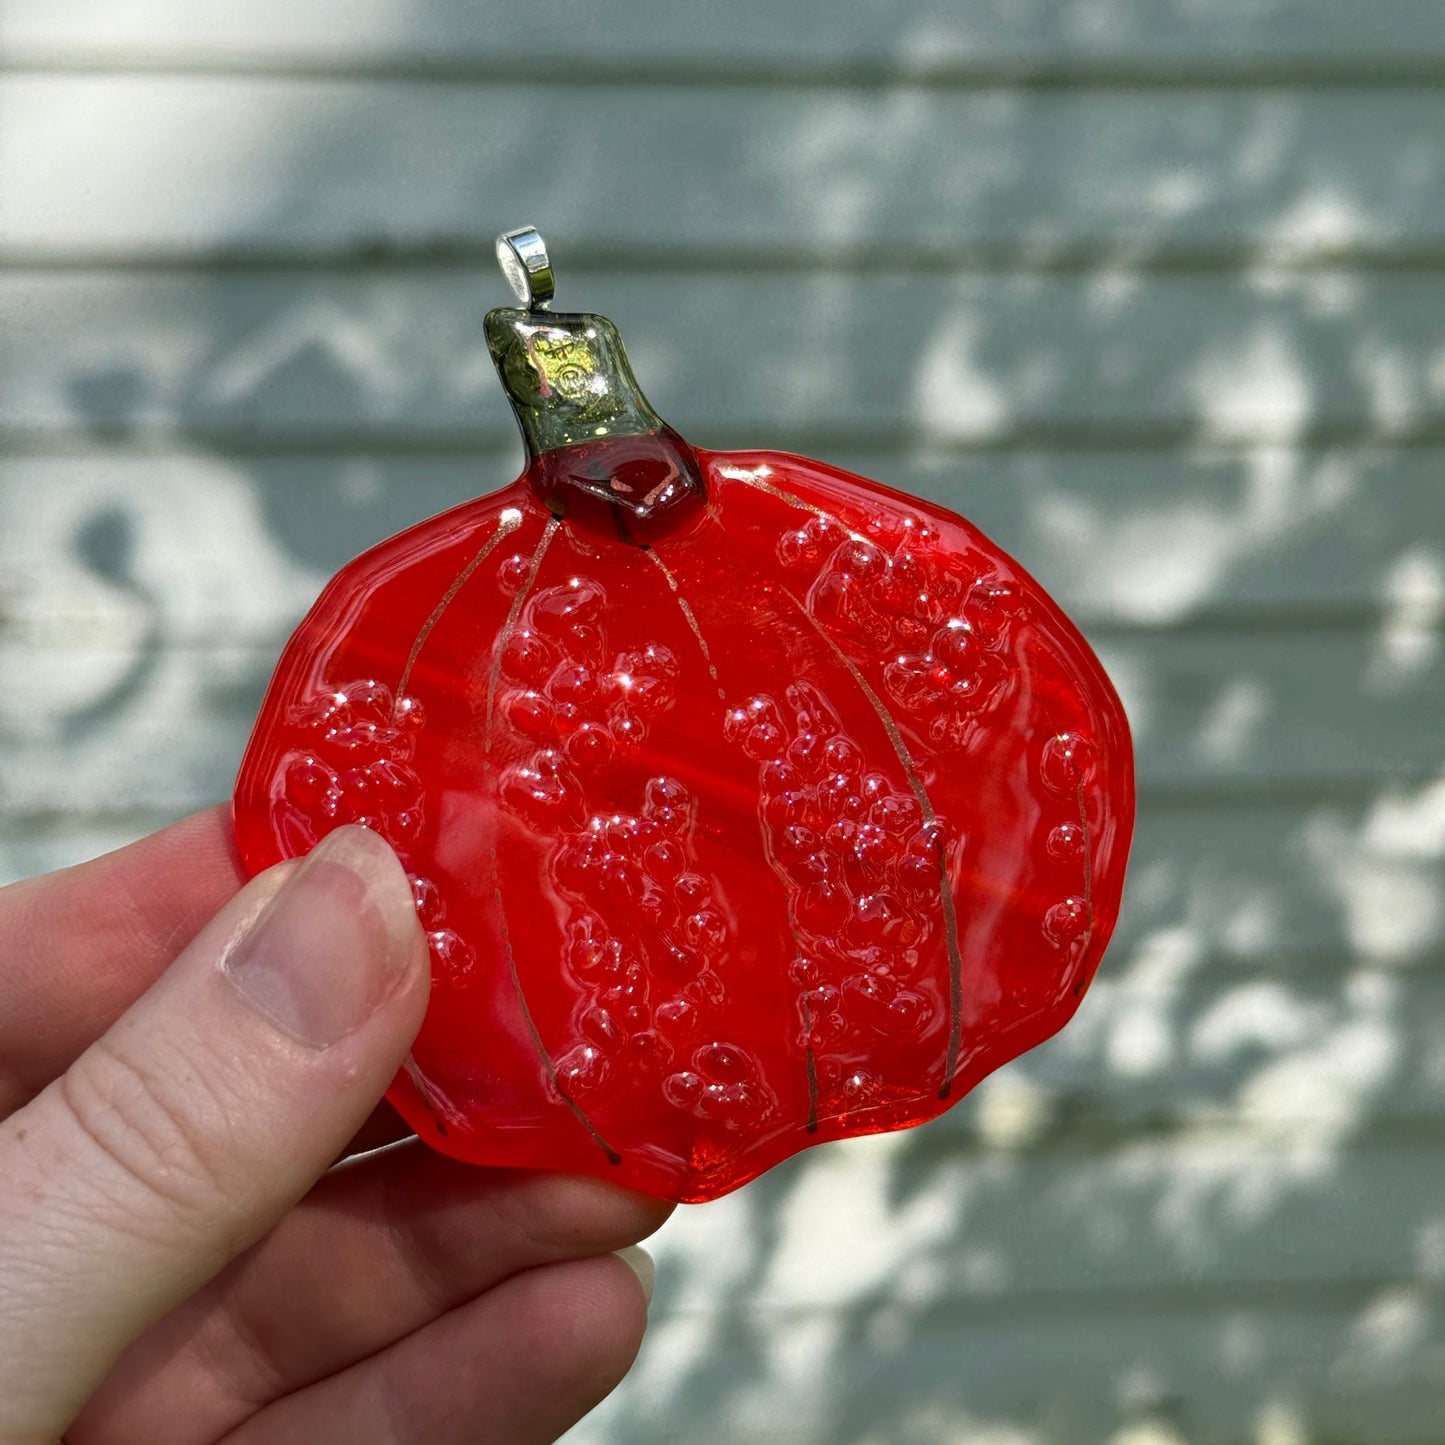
{"points": [[747, 803]]}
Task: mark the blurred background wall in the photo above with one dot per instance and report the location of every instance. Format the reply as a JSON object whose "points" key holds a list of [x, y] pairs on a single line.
{"points": [[1153, 290]]}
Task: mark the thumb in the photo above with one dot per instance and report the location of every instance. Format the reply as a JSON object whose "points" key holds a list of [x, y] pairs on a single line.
{"points": [[200, 1118]]}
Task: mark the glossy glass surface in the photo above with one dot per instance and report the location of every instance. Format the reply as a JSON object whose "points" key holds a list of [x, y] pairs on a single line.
{"points": [[782, 813]]}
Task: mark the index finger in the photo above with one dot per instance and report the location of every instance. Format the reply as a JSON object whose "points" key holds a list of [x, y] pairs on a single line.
{"points": [[77, 947]]}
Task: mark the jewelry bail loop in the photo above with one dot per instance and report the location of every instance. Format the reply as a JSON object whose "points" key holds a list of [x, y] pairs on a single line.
{"points": [[522, 255]]}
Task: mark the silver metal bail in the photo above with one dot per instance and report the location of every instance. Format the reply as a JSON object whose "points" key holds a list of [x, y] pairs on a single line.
{"points": [[522, 255]]}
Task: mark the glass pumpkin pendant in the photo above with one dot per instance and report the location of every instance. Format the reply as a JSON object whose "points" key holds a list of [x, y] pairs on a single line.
{"points": [[747, 803]]}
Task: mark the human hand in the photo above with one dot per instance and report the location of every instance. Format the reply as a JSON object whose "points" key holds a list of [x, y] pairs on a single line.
{"points": [[172, 1271]]}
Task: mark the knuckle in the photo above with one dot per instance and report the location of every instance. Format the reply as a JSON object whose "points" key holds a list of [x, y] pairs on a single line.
{"points": [[142, 1117], [566, 1217]]}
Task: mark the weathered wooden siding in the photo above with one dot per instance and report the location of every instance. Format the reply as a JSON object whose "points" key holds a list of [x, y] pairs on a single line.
{"points": [[1153, 290]]}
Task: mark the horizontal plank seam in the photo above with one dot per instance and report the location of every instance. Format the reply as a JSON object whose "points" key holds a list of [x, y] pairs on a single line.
{"points": [[1189, 1295], [30, 444], [1085, 256], [364, 438], [1323, 790], [1233, 72], [1216, 795]]}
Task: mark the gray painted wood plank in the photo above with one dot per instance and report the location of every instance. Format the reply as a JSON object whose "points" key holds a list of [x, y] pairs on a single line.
{"points": [[182, 165], [914, 34], [107, 693], [1361, 1367], [1238, 879], [1299, 1063], [1021, 1234], [1023, 1230], [397, 358], [1254, 538], [1249, 880]]}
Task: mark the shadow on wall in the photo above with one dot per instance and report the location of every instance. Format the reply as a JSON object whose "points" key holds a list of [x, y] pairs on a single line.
{"points": [[1155, 343]]}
